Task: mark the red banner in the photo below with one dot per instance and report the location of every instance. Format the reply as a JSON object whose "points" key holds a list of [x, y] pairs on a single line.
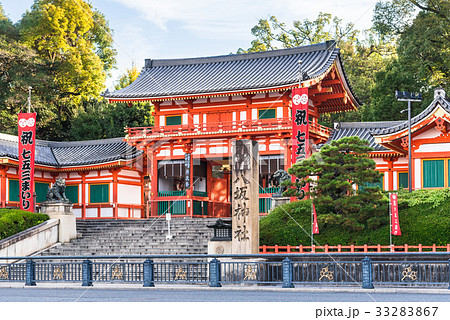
{"points": [[300, 130], [27, 137], [315, 228], [395, 222]]}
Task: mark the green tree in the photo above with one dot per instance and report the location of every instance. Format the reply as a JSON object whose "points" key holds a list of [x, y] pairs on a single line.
{"points": [[77, 43], [362, 58], [97, 119], [127, 78], [20, 68], [423, 60], [334, 175]]}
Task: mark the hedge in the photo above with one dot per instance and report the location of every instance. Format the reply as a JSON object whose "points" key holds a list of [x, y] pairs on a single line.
{"points": [[421, 221], [13, 221]]}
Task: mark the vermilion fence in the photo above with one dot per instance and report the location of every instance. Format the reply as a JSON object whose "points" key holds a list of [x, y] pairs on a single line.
{"points": [[352, 248]]}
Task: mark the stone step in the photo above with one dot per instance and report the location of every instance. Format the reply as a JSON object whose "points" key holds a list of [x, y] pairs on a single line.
{"points": [[148, 237]]}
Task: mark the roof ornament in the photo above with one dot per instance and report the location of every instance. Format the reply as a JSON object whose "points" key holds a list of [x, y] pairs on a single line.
{"points": [[439, 92], [303, 75]]}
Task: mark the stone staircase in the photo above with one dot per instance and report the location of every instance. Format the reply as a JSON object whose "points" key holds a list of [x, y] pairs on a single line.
{"points": [[138, 237]]}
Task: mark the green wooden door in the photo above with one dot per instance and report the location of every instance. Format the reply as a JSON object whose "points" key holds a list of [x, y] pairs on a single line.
{"points": [[403, 180], [433, 173]]}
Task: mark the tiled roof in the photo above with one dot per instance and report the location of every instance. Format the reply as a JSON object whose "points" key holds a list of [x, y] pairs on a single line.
{"points": [[230, 73], [362, 130], [425, 113], [68, 154]]}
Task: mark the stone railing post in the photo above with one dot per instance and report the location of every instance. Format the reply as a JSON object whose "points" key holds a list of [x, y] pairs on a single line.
{"points": [[149, 273], [30, 273], [87, 273], [287, 273], [367, 274], [214, 273]]}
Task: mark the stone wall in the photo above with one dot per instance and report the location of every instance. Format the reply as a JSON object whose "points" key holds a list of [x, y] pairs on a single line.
{"points": [[30, 241]]}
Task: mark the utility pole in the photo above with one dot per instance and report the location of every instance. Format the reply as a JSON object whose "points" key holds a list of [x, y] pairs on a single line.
{"points": [[410, 97]]}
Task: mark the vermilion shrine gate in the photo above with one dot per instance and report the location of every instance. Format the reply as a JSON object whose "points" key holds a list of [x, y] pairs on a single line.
{"points": [[203, 104]]}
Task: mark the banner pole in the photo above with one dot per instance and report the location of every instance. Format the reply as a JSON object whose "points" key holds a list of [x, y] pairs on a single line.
{"points": [[29, 99], [312, 226], [390, 223]]}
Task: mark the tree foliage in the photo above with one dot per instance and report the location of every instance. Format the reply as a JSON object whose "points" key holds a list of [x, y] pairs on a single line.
{"points": [[422, 32], [361, 58], [339, 176], [97, 119], [127, 78], [63, 50], [20, 68], [75, 40]]}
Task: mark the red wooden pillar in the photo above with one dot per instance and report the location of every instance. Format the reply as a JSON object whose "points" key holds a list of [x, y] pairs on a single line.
{"points": [[286, 99], [3, 170], [190, 103], [153, 169], [115, 182], [83, 199], [209, 186], [249, 106], [156, 104], [390, 163]]}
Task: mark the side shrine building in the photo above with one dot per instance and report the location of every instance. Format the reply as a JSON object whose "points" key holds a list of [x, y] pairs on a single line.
{"points": [[182, 164], [430, 148]]}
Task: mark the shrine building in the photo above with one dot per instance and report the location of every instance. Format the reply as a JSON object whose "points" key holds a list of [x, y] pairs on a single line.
{"points": [[430, 149], [203, 104], [103, 177], [182, 164]]}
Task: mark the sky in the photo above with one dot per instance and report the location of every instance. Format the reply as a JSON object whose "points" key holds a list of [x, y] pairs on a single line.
{"points": [[165, 29]]}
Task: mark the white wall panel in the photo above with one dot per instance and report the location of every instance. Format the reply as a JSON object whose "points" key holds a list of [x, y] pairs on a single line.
{"points": [[123, 213], [77, 213], [129, 194], [91, 212], [417, 174], [386, 180], [107, 213], [129, 173]]}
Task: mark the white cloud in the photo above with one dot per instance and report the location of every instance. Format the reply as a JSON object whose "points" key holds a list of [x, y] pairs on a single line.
{"points": [[234, 18]]}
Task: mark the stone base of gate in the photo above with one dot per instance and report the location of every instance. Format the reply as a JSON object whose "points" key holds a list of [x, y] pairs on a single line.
{"points": [[67, 220]]}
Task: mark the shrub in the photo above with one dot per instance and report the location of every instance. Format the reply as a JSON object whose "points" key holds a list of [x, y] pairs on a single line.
{"points": [[13, 221], [421, 221]]}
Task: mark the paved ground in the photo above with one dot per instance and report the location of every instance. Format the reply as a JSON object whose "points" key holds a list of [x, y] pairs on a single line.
{"points": [[133, 293]]}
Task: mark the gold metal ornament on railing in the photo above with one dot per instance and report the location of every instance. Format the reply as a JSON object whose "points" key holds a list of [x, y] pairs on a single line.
{"points": [[250, 272], [180, 274], [4, 274], [58, 273], [408, 273], [117, 273], [325, 273]]}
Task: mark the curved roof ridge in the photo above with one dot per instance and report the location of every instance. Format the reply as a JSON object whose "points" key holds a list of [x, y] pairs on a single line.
{"points": [[72, 153], [370, 124], [150, 63], [439, 99], [268, 70]]}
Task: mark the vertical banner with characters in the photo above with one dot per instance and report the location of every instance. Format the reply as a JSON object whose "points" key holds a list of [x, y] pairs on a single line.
{"points": [[300, 130], [27, 138], [395, 222]]}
